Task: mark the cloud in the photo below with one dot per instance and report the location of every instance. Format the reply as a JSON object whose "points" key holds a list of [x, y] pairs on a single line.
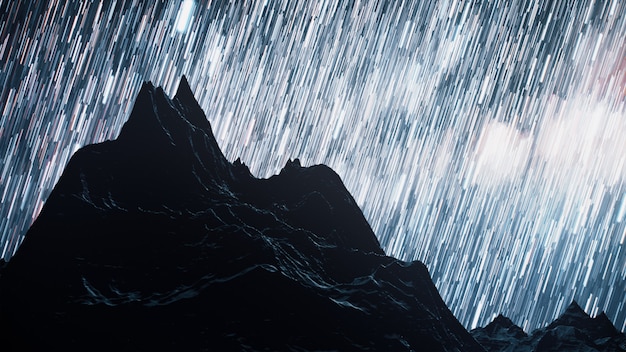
{"points": [[501, 154], [585, 144], [581, 145]]}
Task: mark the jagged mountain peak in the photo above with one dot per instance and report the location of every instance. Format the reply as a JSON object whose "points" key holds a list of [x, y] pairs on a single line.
{"points": [[184, 93], [573, 315], [502, 325], [155, 113], [502, 321], [575, 309], [294, 163], [195, 115], [291, 166], [173, 128], [184, 89], [142, 114]]}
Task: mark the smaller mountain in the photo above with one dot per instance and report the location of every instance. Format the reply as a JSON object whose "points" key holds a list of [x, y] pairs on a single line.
{"points": [[574, 330], [499, 334], [596, 328]]}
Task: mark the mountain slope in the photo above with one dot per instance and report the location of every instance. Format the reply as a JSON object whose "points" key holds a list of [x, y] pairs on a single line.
{"points": [[155, 241]]}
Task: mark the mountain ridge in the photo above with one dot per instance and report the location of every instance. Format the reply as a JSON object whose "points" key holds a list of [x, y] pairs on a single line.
{"points": [[155, 241], [573, 330]]}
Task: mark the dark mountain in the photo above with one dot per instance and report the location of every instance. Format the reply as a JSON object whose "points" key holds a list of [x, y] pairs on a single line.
{"points": [[154, 241], [499, 335], [574, 330], [596, 328]]}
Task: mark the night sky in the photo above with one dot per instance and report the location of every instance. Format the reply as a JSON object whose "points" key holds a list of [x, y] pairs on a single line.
{"points": [[485, 138]]}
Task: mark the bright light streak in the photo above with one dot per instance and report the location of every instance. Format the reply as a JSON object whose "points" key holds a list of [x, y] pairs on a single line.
{"points": [[184, 15]]}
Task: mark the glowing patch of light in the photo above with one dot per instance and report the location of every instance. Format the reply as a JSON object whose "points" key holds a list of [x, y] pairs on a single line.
{"points": [[184, 16]]}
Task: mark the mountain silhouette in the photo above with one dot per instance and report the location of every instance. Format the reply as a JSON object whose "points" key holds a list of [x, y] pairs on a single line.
{"points": [[499, 335], [154, 241], [574, 330]]}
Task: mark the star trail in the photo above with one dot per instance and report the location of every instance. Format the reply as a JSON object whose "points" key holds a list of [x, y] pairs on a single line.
{"points": [[484, 138]]}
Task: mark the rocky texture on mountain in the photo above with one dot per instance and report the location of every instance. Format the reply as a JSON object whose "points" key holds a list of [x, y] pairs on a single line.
{"points": [[499, 334], [574, 330], [154, 241]]}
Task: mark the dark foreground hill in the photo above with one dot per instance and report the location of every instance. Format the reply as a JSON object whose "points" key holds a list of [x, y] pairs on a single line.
{"points": [[573, 331], [154, 241]]}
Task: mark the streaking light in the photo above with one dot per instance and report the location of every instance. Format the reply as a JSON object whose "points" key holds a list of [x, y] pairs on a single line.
{"points": [[184, 16]]}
